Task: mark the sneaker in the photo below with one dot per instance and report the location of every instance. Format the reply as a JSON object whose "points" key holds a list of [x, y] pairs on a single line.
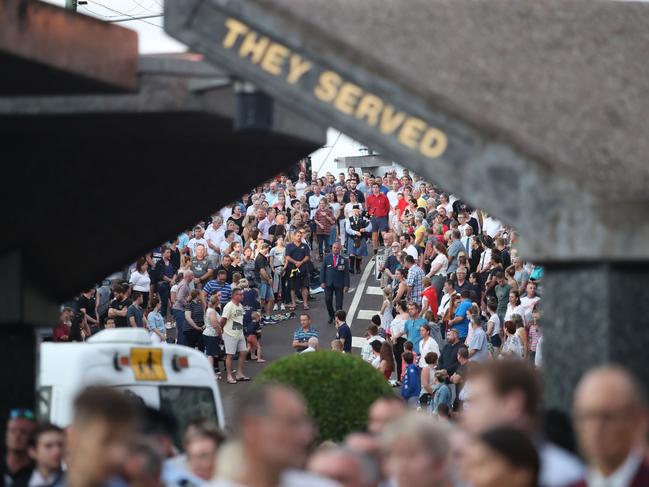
{"points": [[276, 307], [316, 290], [282, 307], [270, 321], [298, 300]]}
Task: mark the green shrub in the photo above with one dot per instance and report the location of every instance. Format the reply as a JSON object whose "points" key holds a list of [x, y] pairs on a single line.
{"points": [[339, 389]]}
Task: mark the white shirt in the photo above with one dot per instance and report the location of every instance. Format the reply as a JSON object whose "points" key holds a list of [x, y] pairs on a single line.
{"points": [[538, 356], [214, 236], [308, 350], [466, 243], [299, 188], [392, 198], [141, 282], [443, 260], [492, 227], [444, 304], [528, 305], [314, 201], [495, 319], [367, 351], [412, 250], [558, 467], [462, 228], [226, 212], [515, 310], [429, 345], [224, 246], [196, 241], [622, 477]]}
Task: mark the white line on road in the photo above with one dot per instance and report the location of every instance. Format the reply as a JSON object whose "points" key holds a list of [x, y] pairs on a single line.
{"points": [[366, 314], [358, 342], [376, 290], [359, 292]]}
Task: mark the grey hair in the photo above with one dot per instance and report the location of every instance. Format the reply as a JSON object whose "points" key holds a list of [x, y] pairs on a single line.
{"points": [[433, 436], [313, 342], [369, 468]]}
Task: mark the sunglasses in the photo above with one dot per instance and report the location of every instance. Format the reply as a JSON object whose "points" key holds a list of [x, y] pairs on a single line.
{"points": [[22, 413]]}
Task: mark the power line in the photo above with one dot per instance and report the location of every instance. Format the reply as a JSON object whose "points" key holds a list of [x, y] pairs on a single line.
{"points": [[127, 16], [139, 17], [329, 153]]}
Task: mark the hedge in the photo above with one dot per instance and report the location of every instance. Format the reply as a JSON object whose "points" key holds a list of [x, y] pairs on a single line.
{"points": [[339, 389]]}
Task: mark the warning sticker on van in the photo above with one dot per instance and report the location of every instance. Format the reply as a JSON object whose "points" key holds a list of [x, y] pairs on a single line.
{"points": [[147, 364]]}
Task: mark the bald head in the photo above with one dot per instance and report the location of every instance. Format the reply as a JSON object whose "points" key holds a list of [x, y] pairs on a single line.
{"points": [[611, 418]]}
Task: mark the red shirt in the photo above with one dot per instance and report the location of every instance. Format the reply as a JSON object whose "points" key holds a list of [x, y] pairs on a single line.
{"points": [[61, 330], [431, 296], [377, 205]]}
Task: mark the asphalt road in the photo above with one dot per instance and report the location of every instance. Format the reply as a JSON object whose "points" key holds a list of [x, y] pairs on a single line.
{"points": [[361, 302]]}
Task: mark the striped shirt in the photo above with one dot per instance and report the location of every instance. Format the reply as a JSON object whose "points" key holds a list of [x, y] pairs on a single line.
{"points": [[301, 335], [212, 287]]}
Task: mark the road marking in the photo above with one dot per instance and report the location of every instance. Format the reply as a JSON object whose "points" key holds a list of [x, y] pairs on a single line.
{"points": [[359, 292], [366, 314], [358, 342], [374, 290]]}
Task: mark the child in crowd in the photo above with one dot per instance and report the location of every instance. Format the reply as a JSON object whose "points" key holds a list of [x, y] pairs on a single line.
{"points": [[411, 386], [337, 346], [407, 347], [253, 334], [386, 310], [534, 333]]}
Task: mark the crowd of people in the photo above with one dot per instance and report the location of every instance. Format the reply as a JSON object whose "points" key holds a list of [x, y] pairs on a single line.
{"points": [[502, 440], [459, 332]]}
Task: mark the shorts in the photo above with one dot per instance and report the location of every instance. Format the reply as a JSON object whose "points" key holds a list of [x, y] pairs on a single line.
{"points": [[234, 345], [212, 345], [496, 341], [265, 291], [420, 250], [300, 280], [380, 224]]}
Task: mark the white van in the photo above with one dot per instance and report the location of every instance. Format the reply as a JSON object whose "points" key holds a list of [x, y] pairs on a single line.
{"points": [[176, 379]]}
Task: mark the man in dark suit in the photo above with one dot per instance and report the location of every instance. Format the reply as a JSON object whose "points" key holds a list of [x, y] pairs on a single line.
{"points": [[334, 279], [611, 422]]}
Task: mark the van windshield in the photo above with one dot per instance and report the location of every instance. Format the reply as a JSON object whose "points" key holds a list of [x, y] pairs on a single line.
{"points": [[186, 404]]}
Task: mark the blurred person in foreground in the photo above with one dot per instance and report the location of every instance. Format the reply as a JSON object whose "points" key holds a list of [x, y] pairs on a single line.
{"points": [[503, 457], [202, 443], [611, 421], [507, 393], [416, 452], [46, 447], [99, 438], [275, 433], [348, 467], [17, 466], [384, 410]]}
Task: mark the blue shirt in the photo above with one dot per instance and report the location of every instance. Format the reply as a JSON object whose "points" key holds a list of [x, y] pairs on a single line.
{"points": [[183, 240], [463, 326], [155, 321], [303, 336], [212, 287], [479, 344], [411, 386], [411, 328], [345, 334]]}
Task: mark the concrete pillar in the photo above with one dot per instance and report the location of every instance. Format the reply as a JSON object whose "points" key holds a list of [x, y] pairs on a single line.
{"points": [[593, 313]]}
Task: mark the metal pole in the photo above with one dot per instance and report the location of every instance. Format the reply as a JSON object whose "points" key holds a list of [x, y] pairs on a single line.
{"points": [[71, 5]]}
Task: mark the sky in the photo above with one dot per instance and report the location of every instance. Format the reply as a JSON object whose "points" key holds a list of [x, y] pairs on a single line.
{"points": [[153, 40]]}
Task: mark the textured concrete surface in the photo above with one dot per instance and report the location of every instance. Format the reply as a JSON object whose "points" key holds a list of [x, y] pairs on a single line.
{"points": [[527, 139], [593, 314]]}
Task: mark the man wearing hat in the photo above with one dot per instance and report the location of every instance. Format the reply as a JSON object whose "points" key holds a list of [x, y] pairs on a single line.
{"points": [[356, 228]]}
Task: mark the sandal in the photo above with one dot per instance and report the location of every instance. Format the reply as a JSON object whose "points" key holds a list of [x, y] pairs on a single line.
{"points": [[232, 381], [306, 308], [260, 360], [243, 379]]}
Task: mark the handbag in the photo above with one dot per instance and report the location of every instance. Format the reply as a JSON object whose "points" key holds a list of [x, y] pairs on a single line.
{"points": [[425, 399], [357, 242]]}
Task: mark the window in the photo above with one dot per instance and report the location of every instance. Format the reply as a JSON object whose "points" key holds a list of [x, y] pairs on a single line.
{"points": [[44, 404], [186, 404]]}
